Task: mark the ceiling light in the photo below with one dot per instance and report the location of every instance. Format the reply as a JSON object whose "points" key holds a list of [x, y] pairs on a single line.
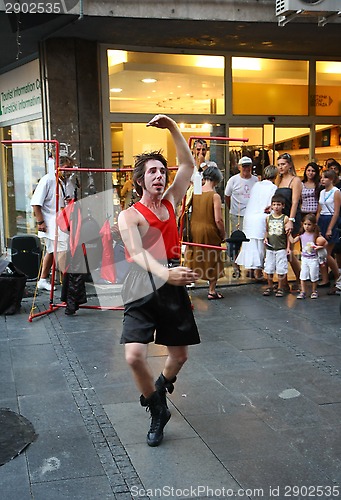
{"points": [[246, 63], [117, 57], [329, 67], [149, 80], [213, 62], [116, 90]]}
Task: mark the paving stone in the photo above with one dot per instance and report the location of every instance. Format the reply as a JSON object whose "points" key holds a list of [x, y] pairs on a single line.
{"points": [[265, 476], [256, 405], [281, 414], [321, 446], [86, 488], [239, 435], [55, 410], [14, 479], [194, 456], [65, 454]]}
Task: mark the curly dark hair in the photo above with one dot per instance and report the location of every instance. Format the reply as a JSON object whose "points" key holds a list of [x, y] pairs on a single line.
{"points": [[139, 168], [317, 178]]}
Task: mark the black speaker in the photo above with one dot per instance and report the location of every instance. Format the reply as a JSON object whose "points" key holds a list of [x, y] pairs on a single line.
{"points": [[26, 254], [12, 287]]}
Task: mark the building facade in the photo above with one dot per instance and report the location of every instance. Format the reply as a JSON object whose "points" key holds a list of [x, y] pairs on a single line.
{"points": [[92, 75]]}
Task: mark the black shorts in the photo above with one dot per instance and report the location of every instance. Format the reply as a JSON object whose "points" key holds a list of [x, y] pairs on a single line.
{"points": [[164, 316]]}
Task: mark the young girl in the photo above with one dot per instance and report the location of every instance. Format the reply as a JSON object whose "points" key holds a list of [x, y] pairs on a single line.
{"points": [[327, 218], [311, 242]]}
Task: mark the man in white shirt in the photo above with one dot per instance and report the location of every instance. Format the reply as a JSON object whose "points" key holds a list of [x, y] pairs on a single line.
{"points": [[237, 195], [43, 203]]}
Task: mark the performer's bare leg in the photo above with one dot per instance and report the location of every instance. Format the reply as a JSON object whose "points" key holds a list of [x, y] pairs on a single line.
{"points": [[154, 394], [177, 356], [136, 357]]}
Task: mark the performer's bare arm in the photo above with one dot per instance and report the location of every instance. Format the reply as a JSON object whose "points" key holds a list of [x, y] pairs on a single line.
{"points": [[129, 223], [178, 189]]}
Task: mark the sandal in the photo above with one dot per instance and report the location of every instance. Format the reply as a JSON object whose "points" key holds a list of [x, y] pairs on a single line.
{"points": [[314, 295], [286, 288], [301, 295], [280, 292], [267, 292], [215, 296]]}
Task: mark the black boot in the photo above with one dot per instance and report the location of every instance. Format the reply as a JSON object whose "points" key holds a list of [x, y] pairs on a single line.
{"points": [[159, 414], [163, 385]]}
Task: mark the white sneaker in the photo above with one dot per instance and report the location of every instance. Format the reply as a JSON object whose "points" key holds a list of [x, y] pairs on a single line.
{"points": [[338, 283], [43, 284]]}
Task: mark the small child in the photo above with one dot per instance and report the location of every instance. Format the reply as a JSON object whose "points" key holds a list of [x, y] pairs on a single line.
{"points": [[311, 244], [277, 246]]}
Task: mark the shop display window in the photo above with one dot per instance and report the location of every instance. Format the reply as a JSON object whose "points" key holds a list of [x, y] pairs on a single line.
{"points": [[165, 83], [326, 100], [269, 86], [22, 165]]}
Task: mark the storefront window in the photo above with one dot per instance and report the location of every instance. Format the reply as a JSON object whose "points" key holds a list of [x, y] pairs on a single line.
{"points": [[129, 139], [328, 88], [328, 143], [269, 86], [165, 83], [266, 143], [22, 165]]}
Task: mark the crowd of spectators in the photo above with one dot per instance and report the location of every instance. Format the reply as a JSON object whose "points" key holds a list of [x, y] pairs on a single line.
{"points": [[311, 211]]}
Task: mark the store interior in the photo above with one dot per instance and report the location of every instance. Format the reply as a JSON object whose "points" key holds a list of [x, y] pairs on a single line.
{"points": [[264, 144]]}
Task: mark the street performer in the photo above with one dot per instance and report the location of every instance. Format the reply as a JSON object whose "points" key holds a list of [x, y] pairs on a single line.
{"points": [[154, 293]]}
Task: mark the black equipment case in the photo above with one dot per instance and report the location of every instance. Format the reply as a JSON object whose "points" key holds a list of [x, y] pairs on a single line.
{"points": [[26, 254], [12, 287]]}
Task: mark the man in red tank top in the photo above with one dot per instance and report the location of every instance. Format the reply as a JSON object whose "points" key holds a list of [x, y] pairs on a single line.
{"points": [[157, 306]]}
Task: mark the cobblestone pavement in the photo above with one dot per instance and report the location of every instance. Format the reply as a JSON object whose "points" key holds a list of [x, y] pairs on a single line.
{"points": [[256, 410]]}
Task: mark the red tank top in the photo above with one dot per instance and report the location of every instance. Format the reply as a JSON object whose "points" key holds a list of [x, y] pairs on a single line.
{"points": [[162, 236]]}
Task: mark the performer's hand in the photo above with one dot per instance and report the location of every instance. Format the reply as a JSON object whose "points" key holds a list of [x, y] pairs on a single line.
{"points": [[180, 276], [160, 121]]}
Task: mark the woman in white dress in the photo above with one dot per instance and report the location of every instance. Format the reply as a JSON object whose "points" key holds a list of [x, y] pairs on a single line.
{"points": [[251, 255]]}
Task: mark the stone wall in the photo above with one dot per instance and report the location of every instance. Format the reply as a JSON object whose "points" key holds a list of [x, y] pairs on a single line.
{"points": [[223, 10], [74, 117]]}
